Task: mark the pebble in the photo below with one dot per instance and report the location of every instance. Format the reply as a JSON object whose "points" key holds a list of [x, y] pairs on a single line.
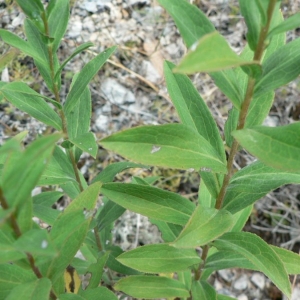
{"points": [[241, 283], [116, 93], [259, 280]]}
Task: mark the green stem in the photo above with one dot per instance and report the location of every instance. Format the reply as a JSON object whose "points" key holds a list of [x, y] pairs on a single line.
{"points": [[241, 123]]}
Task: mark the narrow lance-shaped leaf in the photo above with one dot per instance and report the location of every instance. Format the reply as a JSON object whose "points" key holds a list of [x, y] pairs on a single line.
{"points": [[78, 50], [205, 225], [87, 143], [278, 147], [289, 24], [280, 68], [170, 145], [34, 290], [85, 76], [70, 229], [203, 290], [150, 201], [192, 109], [160, 258], [12, 276], [58, 21], [191, 21], [108, 174], [240, 192], [28, 100], [212, 53], [259, 253], [17, 42], [151, 287], [19, 180]]}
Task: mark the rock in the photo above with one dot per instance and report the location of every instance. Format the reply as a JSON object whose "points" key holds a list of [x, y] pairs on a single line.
{"points": [[102, 123], [241, 283], [116, 93], [259, 280], [242, 297], [227, 275], [75, 27], [88, 24]]}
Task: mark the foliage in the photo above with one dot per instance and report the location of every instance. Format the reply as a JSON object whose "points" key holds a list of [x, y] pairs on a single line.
{"points": [[41, 264]]}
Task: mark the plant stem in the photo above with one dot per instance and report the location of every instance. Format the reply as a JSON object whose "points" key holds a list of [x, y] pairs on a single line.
{"points": [[241, 123], [57, 98]]}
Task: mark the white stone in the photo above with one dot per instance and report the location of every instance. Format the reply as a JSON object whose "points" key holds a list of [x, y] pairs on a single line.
{"points": [[241, 283], [242, 297], [116, 93], [227, 275], [102, 123], [259, 280], [90, 7], [75, 27], [18, 20], [296, 293], [88, 24], [150, 72]]}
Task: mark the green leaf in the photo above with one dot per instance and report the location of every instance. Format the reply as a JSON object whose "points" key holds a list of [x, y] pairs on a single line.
{"points": [[26, 99], [168, 231], [231, 125], [150, 201], [58, 21], [280, 68], [228, 259], [19, 180], [34, 9], [160, 258], [255, 14], [12, 276], [79, 118], [78, 50], [290, 260], [228, 82], [108, 174], [87, 143], [212, 53], [151, 287], [205, 225], [277, 147], [70, 229], [259, 109], [169, 145], [34, 290], [213, 182], [190, 21], [259, 253], [36, 242], [186, 278], [289, 24], [204, 196], [17, 42], [96, 271], [42, 41], [202, 290], [241, 218], [42, 206], [108, 214], [115, 265], [192, 109], [99, 293], [59, 170], [240, 192], [8, 253], [84, 77]]}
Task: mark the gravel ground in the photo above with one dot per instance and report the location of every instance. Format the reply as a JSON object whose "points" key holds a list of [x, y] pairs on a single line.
{"points": [[130, 91]]}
